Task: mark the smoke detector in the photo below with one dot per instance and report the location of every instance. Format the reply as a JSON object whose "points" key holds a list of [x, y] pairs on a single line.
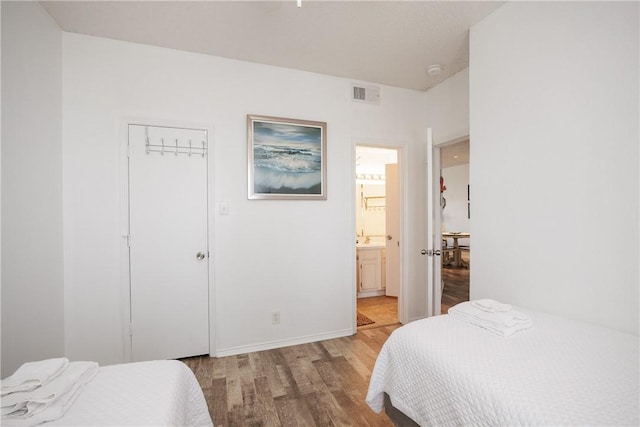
{"points": [[434, 70]]}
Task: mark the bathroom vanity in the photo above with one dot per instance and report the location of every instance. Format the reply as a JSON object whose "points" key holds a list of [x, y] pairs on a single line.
{"points": [[371, 269]]}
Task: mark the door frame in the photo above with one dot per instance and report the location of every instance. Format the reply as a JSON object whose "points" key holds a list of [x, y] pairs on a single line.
{"points": [[125, 277], [402, 148], [435, 308]]}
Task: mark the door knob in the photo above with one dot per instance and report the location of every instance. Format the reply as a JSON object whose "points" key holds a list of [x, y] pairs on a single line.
{"points": [[389, 237], [423, 252], [200, 256]]}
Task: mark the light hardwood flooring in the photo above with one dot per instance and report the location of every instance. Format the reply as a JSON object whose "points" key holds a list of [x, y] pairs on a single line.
{"points": [[382, 310], [317, 384], [456, 285]]}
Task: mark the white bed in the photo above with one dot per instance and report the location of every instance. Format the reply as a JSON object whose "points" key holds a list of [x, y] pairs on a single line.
{"points": [[443, 371], [158, 393]]}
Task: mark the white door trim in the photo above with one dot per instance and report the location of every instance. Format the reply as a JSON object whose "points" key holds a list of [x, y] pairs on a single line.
{"points": [[403, 164], [125, 311], [430, 220], [437, 165], [437, 232]]}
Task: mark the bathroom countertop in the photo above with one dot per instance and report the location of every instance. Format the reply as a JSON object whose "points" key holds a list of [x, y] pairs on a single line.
{"points": [[370, 245]]}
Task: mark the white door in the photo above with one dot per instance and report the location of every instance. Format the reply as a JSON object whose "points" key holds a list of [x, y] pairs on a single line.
{"points": [[168, 242], [392, 226], [434, 234]]}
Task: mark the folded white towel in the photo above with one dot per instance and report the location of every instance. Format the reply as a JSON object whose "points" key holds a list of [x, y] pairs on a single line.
{"points": [[502, 323], [498, 318], [51, 401], [33, 374], [490, 305]]}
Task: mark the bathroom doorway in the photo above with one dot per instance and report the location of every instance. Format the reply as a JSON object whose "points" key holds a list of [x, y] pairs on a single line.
{"points": [[378, 229]]}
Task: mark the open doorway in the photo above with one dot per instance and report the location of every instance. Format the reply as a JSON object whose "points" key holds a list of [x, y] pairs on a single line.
{"points": [[377, 206], [455, 209]]}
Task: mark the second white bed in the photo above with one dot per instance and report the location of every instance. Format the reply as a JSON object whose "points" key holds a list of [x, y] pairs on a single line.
{"points": [[442, 371]]}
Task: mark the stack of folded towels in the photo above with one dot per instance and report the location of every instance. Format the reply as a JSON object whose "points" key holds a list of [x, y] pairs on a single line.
{"points": [[491, 315], [43, 391]]}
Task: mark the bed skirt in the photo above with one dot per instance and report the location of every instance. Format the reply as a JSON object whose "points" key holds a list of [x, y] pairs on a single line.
{"points": [[398, 417]]}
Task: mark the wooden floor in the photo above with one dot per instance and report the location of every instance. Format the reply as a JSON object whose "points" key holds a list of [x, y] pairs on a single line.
{"points": [[382, 310], [456, 286], [318, 384]]}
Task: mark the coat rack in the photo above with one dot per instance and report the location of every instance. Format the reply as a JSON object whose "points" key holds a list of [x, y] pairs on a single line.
{"points": [[175, 147]]}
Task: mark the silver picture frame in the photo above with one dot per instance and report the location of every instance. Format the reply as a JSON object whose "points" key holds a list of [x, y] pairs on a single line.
{"points": [[286, 158]]}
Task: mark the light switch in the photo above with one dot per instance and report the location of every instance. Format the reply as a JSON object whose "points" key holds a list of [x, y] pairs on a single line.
{"points": [[224, 208]]}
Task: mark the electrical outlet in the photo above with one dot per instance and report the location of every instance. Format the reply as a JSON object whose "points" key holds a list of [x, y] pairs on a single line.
{"points": [[275, 317]]}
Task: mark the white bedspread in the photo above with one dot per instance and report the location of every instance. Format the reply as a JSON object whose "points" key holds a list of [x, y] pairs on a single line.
{"points": [[158, 393], [442, 371]]}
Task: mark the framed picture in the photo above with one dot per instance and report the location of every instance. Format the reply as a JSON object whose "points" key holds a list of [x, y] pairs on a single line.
{"points": [[286, 158]]}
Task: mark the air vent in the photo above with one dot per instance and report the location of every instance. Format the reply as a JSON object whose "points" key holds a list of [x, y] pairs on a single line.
{"points": [[366, 94]]}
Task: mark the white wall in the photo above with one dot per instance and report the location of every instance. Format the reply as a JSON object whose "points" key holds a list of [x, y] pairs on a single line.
{"points": [[455, 215], [447, 114], [447, 108], [294, 257], [32, 278], [554, 159]]}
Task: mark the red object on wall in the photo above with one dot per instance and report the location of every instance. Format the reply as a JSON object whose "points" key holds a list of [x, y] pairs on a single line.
{"points": [[442, 186]]}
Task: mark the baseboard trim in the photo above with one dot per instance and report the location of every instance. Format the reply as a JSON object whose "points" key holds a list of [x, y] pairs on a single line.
{"points": [[283, 343], [371, 293]]}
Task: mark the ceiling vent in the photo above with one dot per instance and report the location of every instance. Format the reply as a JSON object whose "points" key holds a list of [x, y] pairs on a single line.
{"points": [[366, 94]]}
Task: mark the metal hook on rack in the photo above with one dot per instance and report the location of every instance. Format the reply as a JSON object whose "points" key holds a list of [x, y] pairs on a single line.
{"points": [[177, 147]]}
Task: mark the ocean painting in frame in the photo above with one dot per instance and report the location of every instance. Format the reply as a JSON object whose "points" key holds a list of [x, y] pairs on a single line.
{"points": [[286, 158]]}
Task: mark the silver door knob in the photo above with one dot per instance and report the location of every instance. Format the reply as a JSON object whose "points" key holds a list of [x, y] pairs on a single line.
{"points": [[437, 252], [423, 252], [200, 256]]}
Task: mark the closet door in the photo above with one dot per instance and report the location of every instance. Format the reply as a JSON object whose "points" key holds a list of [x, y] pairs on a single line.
{"points": [[168, 242]]}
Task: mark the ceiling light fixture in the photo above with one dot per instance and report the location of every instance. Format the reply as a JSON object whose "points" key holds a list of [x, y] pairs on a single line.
{"points": [[299, 2], [434, 70]]}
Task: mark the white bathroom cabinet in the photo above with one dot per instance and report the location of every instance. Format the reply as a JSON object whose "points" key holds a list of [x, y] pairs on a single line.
{"points": [[371, 275]]}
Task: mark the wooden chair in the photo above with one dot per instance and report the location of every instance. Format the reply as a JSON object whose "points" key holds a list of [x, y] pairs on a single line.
{"points": [[447, 253], [465, 249]]}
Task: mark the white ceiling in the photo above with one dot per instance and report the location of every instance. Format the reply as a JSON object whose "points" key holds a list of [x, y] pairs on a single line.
{"points": [[385, 42], [455, 154]]}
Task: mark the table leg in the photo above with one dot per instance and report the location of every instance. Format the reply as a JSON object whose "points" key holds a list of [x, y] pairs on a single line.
{"points": [[456, 252]]}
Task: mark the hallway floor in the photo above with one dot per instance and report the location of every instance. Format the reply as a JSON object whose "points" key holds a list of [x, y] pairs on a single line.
{"points": [[456, 285], [382, 310]]}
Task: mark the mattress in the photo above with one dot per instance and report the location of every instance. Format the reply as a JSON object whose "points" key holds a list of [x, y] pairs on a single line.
{"points": [[443, 371], [157, 393]]}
